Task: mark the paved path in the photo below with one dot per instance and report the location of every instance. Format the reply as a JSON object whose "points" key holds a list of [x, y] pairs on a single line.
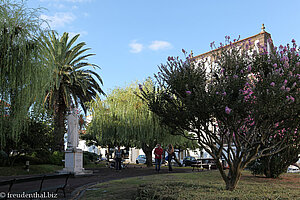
{"points": [[78, 184]]}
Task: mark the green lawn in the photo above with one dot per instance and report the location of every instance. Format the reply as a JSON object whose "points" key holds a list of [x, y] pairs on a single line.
{"points": [[203, 185], [33, 169]]}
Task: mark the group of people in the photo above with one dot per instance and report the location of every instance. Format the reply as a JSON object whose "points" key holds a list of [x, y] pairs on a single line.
{"points": [[158, 152]]}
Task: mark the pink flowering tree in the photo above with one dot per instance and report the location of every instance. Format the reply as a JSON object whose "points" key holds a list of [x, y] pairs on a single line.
{"points": [[236, 107]]}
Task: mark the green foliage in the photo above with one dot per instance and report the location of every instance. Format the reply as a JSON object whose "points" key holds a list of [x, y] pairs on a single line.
{"points": [[56, 158], [89, 157], [22, 76], [72, 83], [273, 166], [124, 119], [36, 139]]}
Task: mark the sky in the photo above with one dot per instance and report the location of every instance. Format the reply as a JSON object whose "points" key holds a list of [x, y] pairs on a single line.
{"points": [[131, 38]]}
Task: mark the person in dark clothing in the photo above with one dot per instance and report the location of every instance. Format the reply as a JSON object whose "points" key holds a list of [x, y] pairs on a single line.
{"points": [[118, 158], [170, 152]]}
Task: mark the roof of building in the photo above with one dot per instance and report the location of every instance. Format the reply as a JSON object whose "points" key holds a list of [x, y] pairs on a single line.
{"points": [[262, 37]]}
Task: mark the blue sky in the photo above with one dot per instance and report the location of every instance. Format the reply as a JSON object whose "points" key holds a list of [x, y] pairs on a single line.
{"points": [[132, 37]]}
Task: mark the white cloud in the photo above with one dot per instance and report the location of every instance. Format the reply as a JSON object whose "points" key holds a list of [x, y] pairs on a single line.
{"points": [[159, 45], [59, 19], [136, 47]]}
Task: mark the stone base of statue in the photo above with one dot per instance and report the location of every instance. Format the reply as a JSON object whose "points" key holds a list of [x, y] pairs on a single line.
{"points": [[74, 162]]}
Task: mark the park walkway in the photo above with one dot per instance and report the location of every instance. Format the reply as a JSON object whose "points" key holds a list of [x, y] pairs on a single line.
{"points": [[77, 185]]}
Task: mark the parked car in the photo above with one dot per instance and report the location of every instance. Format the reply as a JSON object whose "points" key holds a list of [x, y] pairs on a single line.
{"points": [[142, 159], [188, 161], [293, 169]]}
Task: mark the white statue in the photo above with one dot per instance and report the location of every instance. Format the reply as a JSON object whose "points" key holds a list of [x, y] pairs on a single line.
{"points": [[73, 130]]}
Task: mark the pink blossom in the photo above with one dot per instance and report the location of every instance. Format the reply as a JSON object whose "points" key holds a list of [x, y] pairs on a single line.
{"points": [[285, 82], [292, 99], [170, 58], [287, 89], [227, 110], [188, 92], [224, 93], [249, 68], [283, 87], [275, 65], [286, 64], [272, 84]]}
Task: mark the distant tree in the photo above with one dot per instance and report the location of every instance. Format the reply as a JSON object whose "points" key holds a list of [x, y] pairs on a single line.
{"points": [[73, 83], [124, 119], [235, 108]]}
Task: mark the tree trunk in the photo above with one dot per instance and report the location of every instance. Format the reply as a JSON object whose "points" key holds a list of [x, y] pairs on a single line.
{"points": [[233, 176], [268, 172], [108, 153], [232, 179], [148, 152], [59, 126]]}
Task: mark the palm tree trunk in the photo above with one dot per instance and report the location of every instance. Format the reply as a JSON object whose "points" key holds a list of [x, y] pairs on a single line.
{"points": [[59, 126]]}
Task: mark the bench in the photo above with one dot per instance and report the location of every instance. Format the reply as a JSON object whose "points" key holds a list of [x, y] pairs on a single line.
{"points": [[40, 186], [197, 166]]}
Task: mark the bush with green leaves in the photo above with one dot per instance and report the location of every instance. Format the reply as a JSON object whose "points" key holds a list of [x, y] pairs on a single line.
{"points": [[273, 166], [236, 107]]}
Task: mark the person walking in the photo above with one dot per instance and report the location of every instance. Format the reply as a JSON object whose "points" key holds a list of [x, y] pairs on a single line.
{"points": [[170, 152], [118, 158], [158, 151]]}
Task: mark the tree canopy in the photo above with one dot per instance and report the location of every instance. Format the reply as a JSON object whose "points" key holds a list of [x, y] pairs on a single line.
{"points": [[247, 99], [72, 83], [22, 76], [124, 119]]}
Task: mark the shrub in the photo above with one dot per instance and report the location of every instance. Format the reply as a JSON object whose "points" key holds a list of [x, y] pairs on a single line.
{"points": [[89, 157], [56, 158], [274, 165]]}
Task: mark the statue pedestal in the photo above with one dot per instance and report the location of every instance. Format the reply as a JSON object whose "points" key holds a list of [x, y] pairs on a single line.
{"points": [[74, 162]]}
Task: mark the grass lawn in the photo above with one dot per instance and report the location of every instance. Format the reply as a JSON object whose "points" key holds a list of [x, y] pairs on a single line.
{"points": [[33, 169], [201, 185]]}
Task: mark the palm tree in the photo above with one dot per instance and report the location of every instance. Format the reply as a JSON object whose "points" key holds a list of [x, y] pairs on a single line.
{"points": [[73, 83]]}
